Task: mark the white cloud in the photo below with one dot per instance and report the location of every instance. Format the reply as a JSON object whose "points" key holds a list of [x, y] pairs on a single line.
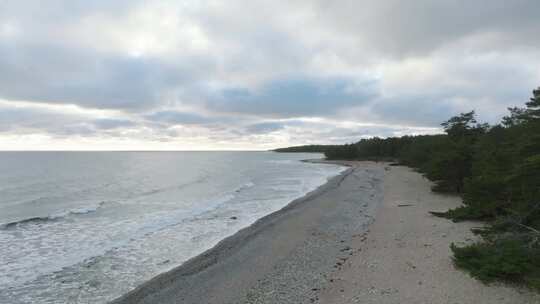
{"points": [[256, 74]]}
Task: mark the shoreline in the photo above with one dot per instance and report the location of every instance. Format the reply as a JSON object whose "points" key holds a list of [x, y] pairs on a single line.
{"points": [[366, 236], [165, 287]]}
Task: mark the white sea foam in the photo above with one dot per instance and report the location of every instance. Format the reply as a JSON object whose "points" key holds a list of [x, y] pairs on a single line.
{"points": [[155, 212]]}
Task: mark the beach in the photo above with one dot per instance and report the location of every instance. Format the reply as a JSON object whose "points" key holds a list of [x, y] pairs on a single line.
{"points": [[366, 236], [91, 231]]}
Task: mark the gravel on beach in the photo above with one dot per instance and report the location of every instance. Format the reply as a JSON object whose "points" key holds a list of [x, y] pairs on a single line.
{"points": [[364, 237], [285, 257]]}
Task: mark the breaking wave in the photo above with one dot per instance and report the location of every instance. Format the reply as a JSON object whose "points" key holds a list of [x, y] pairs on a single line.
{"points": [[52, 217]]}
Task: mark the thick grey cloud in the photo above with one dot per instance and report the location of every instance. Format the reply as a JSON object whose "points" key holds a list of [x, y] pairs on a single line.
{"points": [[265, 127], [411, 28], [292, 97], [249, 71], [24, 121], [57, 75], [108, 123], [181, 118]]}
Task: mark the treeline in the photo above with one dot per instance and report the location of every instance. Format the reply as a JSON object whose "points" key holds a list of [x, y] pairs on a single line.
{"points": [[305, 149], [496, 170]]}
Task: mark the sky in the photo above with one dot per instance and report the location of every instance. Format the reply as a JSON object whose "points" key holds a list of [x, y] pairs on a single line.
{"points": [[256, 75]]}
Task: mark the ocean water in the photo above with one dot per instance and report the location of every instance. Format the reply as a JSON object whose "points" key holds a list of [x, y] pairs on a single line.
{"points": [[86, 227]]}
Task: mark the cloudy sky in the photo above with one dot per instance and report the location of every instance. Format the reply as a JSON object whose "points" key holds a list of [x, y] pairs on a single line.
{"points": [[191, 75]]}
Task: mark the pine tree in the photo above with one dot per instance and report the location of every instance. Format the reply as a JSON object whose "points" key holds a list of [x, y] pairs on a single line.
{"points": [[533, 106]]}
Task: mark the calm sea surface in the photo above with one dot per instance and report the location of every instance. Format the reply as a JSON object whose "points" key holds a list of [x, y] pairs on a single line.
{"points": [[86, 227]]}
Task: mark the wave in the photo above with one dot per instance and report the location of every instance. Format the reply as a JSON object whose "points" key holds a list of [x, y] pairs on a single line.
{"points": [[86, 210], [200, 180], [244, 187], [52, 217], [37, 219]]}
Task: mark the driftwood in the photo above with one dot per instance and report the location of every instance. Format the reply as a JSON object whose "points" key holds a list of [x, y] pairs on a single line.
{"points": [[405, 205]]}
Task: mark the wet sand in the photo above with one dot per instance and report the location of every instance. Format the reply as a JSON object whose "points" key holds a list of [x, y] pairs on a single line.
{"points": [[364, 237]]}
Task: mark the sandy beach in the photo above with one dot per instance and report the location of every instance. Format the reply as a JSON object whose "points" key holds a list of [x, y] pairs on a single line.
{"points": [[364, 237]]}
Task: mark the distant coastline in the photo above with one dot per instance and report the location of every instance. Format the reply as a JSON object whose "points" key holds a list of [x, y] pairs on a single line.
{"points": [[304, 149], [495, 169]]}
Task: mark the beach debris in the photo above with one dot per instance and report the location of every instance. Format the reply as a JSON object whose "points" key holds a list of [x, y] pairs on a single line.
{"points": [[372, 265], [410, 264], [438, 214], [405, 205]]}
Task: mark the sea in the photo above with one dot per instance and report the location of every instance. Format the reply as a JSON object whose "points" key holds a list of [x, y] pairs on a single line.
{"points": [[87, 227]]}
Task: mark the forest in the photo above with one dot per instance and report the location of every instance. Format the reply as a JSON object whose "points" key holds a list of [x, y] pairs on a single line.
{"points": [[496, 171]]}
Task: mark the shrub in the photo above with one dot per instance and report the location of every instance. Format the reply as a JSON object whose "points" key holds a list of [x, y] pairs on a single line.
{"points": [[515, 260]]}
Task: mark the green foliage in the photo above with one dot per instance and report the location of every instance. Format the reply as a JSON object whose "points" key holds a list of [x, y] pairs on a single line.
{"points": [[533, 107], [514, 260], [304, 149], [445, 159], [504, 188], [496, 169], [349, 151]]}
